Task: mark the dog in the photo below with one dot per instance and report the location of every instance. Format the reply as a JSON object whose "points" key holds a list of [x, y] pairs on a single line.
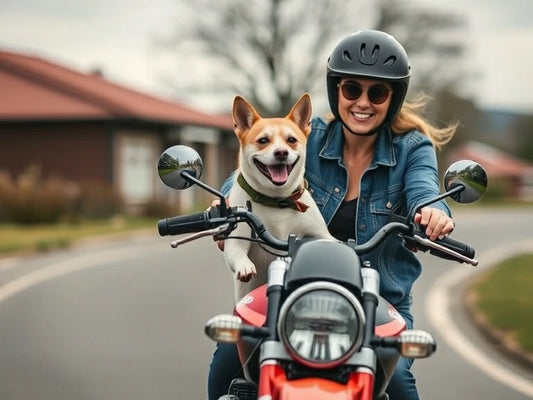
{"points": [[270, 175]]}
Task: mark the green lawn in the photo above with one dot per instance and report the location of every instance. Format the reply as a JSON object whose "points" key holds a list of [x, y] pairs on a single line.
{"points": [[14, 238], [504, 296]]}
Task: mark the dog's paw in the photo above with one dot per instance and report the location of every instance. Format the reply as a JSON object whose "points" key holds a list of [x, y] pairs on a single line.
{"points": [[245, 273], [246, 278]]}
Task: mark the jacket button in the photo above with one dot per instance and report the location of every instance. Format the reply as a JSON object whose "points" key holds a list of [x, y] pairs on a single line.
{"points": [[388, 205], [337, 190]]}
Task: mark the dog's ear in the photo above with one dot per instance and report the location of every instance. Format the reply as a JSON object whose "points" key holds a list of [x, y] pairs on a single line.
{"points": [[244, 115], [301, 113]]}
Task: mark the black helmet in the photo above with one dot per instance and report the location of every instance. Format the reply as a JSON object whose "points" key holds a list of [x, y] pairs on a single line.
{"points": [[371, 54]]}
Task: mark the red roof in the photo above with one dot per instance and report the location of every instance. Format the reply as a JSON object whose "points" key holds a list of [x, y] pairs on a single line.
{"points": [[35, 89], [494, 161]]}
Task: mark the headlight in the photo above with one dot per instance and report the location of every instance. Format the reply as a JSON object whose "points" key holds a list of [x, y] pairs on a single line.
{"points": [[321, 324]]}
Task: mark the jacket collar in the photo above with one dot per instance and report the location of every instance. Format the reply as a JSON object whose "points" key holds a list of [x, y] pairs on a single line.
{"points": [[384, 155]]}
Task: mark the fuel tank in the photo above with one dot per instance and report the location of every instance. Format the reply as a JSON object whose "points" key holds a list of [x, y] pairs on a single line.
{"points": [[252, 310]]}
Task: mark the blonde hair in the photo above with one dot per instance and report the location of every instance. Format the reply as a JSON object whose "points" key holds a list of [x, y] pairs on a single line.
{"points": [[410, 117]]}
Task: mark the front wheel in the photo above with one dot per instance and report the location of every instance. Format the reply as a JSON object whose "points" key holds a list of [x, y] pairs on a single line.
{"points": [[242, 389]]}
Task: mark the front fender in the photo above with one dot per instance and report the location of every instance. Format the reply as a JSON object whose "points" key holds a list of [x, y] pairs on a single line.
{"points": [[273, 384]]}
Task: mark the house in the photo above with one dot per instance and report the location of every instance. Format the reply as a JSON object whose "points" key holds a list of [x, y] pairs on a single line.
{"points": [[511, 176], [83, 127]]}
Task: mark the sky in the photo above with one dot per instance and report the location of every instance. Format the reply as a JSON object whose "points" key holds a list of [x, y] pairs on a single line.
{"points": [[117, 37]]}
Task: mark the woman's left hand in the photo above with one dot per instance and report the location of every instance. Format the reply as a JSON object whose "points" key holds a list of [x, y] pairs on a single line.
{"points": [[438, 224]]}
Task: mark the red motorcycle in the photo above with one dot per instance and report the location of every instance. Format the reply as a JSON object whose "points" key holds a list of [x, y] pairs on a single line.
{"points": [[319, 328]]}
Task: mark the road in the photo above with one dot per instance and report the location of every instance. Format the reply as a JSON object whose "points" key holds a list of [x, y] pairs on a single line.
{"points": [[124, 319]]}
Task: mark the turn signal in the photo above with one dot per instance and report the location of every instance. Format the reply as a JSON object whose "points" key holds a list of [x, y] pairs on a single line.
{"points": [[224, 328], [416, 344]]}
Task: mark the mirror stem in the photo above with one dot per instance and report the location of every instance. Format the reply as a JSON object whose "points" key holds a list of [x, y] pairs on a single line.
{"points": [[455, 189], [223, 209]]}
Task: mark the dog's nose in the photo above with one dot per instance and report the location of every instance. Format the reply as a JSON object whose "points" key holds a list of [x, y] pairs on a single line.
{"points": [[281, 154]]}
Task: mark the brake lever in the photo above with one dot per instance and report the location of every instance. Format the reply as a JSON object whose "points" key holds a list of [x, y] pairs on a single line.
{"points": [[209, 232], [428, 243]]}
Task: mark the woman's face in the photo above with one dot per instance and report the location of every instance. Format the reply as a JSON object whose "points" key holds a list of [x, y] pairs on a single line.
{"points": [[363, 103]]}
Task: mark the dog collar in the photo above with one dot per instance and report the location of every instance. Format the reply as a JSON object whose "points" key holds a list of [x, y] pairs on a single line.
{"points": [[277, 202]]}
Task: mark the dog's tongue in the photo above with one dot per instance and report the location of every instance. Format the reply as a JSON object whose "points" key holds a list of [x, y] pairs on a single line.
{"points": [[278, 173]]}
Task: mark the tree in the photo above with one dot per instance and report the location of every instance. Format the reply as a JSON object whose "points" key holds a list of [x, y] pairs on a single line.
{"points": [[273, 51]]}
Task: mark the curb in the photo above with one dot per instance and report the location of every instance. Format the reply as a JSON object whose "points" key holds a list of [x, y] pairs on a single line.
{"points": [[500, 340]]}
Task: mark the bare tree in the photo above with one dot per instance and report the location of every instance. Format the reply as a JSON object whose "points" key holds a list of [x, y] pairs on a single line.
{"points": [[272, 51], [434, 41]]}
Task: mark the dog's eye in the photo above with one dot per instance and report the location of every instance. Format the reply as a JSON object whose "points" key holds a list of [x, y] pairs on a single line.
{"points": [[263, 140], [291, 139]]}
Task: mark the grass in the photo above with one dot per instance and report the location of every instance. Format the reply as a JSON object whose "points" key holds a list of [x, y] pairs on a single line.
{"points": [[20, 238], [503, 296]]}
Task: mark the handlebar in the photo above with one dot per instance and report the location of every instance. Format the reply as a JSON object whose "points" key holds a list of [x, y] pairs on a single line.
{"points": [[207, 220], [185, 224], [211, 218], [455, 245]]}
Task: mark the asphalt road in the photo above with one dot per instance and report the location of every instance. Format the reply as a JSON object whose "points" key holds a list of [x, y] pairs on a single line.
{"points": [[124, 319]]}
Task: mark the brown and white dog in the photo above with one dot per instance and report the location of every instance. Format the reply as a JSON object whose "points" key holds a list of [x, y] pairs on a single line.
{"points": [[271, 176]]}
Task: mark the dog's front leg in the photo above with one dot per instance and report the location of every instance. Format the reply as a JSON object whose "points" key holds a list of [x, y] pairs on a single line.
{"points": [[236, 256]]}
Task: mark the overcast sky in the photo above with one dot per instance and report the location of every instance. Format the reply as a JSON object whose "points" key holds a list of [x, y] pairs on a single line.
{"points": [[117, 37]]}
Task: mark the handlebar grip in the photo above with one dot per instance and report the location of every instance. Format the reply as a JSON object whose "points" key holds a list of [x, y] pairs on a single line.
{"points": [[184, 224], [455, 245]]}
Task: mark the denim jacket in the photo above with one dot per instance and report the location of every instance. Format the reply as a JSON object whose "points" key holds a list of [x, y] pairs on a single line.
{"points": [[402, 174]]}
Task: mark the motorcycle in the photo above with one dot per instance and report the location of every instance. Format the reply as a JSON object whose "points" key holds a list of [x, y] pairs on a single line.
{"points": [[318, 329]]}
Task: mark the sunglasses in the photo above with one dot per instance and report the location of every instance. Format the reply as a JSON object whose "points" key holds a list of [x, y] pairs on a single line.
{"points": [[377, 94]]}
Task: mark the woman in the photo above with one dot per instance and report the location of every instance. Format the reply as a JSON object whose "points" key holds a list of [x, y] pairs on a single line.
{"points": [[375, 157]]}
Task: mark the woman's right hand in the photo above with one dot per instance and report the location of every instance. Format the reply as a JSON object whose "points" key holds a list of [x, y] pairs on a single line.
{"points": [[437, 223]]}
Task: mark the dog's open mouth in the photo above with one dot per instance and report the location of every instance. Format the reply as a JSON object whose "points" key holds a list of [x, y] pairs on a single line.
{"points": [[278, 173]]}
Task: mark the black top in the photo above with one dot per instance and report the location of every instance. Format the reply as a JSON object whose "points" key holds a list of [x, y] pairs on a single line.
{"points": [[342, 225]]}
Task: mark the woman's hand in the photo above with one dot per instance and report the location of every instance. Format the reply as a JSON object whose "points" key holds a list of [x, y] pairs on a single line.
{"points": [[438, 224]]}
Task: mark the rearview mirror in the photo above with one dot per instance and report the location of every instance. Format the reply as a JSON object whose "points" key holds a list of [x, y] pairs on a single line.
{"points": [[176, 160], [468, 174]]}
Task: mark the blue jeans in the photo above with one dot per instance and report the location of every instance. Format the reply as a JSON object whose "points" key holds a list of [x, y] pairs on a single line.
{"points": [[225, 366]]}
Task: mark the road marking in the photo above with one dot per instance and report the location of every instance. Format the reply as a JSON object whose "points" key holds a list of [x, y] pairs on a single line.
{"points": [[437, 312], [53, 271], [7, 263]]}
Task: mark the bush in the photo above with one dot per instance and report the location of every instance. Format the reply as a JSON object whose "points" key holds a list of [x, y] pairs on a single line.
{"points": [[32, 199], [96, 200], [157, 208], [496, 192]]}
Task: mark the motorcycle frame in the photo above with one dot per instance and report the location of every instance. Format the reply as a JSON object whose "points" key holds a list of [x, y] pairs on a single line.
{"points": [[273, 382]]}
